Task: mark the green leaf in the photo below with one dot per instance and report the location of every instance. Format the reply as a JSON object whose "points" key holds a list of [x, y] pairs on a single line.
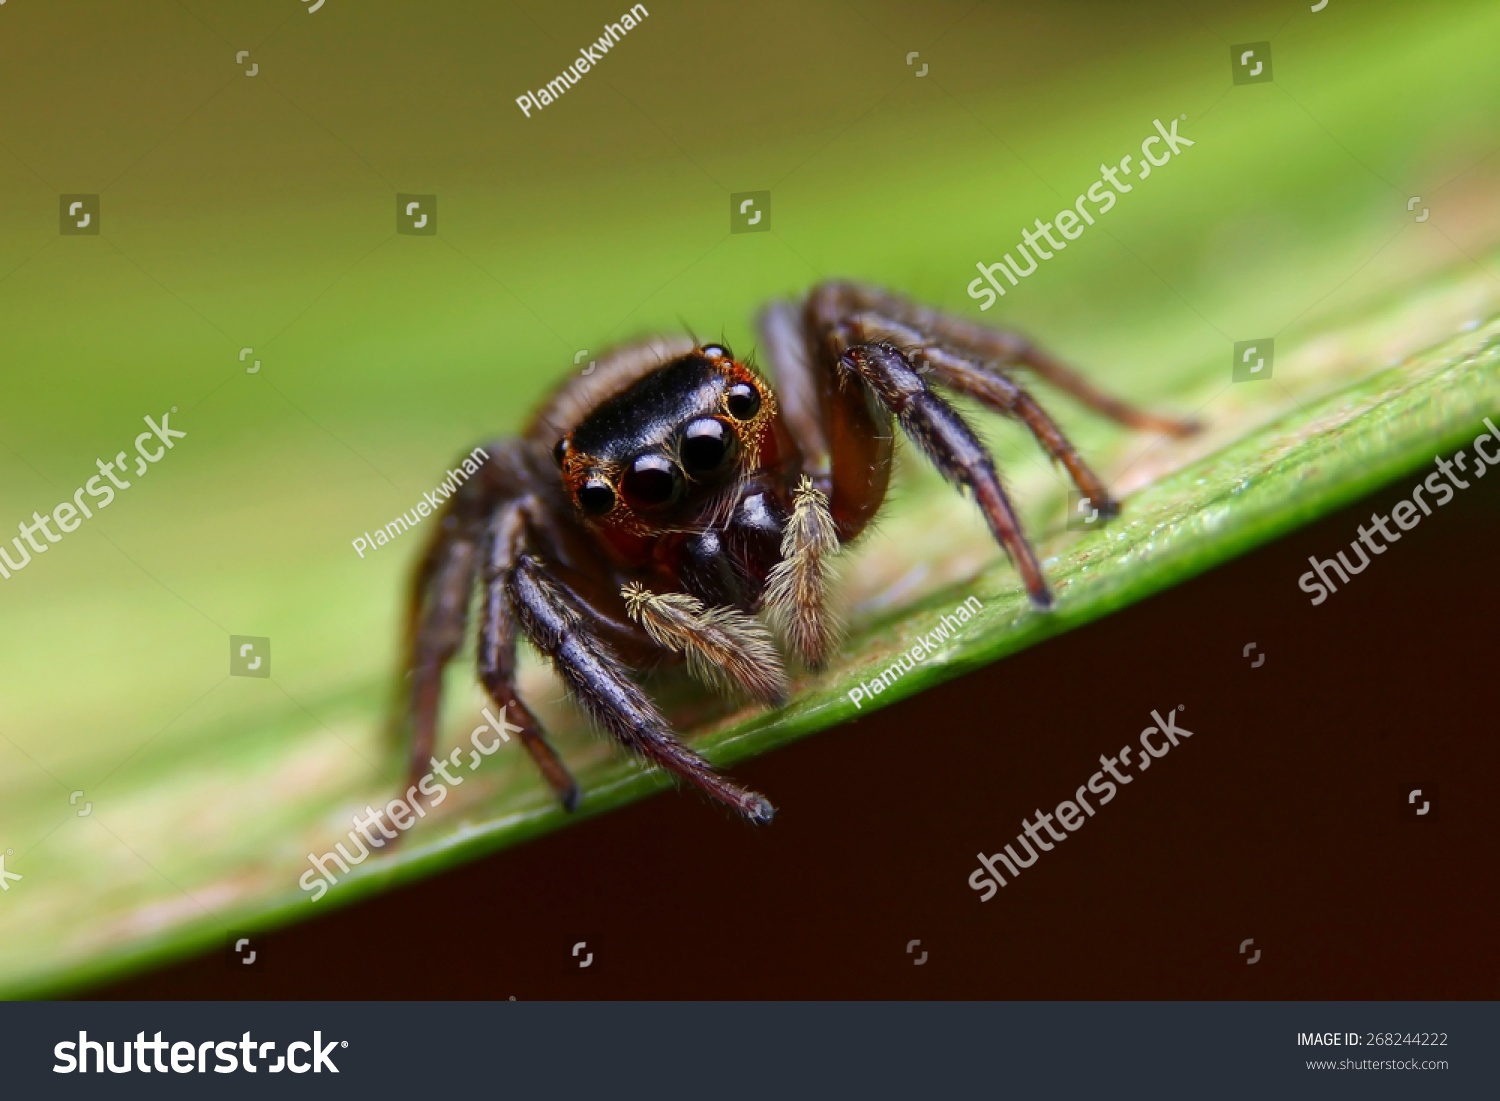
{"points": [[231, 822]]}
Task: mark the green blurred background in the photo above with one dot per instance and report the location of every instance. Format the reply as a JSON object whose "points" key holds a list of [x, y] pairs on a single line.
{"points": [[259, 212]]}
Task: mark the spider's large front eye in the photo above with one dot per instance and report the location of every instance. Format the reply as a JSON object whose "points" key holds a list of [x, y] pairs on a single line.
{"points": [[652, 482], [743, 401], [708, 446], [596, 497]]}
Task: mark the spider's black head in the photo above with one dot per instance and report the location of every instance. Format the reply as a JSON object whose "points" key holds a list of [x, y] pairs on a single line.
{"points": [[659, 453]]}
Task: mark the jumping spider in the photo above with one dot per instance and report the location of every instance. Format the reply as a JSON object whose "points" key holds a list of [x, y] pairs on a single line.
{"points": [[654, 506]]}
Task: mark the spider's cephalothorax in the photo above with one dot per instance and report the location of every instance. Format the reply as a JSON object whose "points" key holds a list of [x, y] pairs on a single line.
{"points": [[656, 506]]}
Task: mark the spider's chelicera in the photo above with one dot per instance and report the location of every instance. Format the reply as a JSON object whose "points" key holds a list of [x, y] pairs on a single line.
{"points": [[656, 506]]}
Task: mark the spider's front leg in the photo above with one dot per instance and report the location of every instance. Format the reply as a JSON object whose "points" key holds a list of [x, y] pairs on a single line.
{"points": [[601, 685], [562, 626]]}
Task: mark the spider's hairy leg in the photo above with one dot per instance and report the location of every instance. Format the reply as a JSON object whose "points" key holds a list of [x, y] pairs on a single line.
{"points": [[505, 542], [946, 438], [968, 376], [843, 437], [997, 347], [482, 525], [797, 389], [992, 345], [724, 647], [798, 584], [437, 619], [600, 684]]}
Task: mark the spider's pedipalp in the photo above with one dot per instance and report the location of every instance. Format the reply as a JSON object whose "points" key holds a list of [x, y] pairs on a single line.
{"points": [[797, 587], [724, 647]]}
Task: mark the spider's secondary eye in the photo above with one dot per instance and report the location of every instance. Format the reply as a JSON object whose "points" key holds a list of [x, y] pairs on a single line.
{"points": [[708, 445], [596, 497], [652, 482], [743, 401], [717, 351], [560, 452]]}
